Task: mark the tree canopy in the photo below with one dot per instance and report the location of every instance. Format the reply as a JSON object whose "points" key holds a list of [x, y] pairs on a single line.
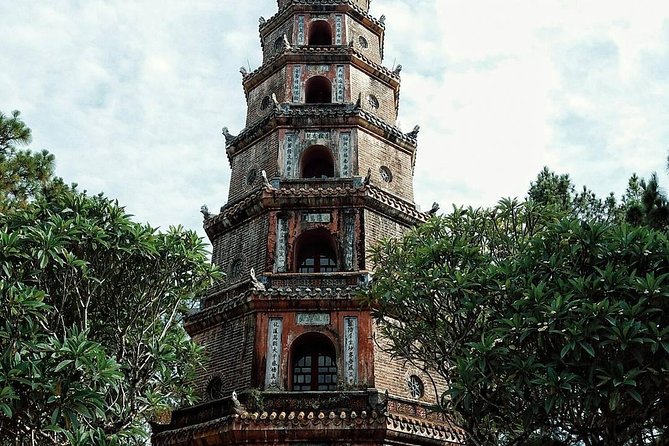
{"points": [[23, 174], [92, 346], [546, 317]]}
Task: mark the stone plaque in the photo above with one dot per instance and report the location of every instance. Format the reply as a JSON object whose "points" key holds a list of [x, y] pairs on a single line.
{"points": [[318, 69], [312, 318], [317, 135], [351, 350], [317, 218], [281, 242], [338, 29], [349, 240], [289, 155], [297, 80], [340, 83], [273, 356], [300, 30], [345, 154]]}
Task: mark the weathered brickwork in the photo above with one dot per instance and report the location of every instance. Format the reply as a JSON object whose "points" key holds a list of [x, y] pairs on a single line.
{"points": [[229, 355], [261, 155], [272, 43], [241, 244], [378, 153], [393, 375], [341, 143], [378, 227], [364, 86], [259, 99], [371, 39]]}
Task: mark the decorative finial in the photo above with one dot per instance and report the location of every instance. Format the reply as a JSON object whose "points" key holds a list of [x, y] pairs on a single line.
{"points": [[382, 19], [351, 44], [255, 283], [286, 43], [397, 70], [244, 71], [414, 133], [205, 212], [228, 136], [236, 404], [368, 177], [435, 208], [261, 20], [265, 181]]}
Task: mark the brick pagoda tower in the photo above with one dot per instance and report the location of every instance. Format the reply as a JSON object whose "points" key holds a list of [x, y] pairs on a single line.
{"points": [[319, 175]]}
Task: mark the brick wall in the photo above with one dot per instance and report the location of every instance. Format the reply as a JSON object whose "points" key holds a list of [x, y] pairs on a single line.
{"points": [[362, 83], [355, 30], [272, 42], [245, 243], [229, 354], [262, 155], [392, 374], [259, 102], [334, 330], [374, 153], [376, 227]]}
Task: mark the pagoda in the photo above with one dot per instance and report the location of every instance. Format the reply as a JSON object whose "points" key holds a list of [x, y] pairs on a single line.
{"points": [[319, 174]]}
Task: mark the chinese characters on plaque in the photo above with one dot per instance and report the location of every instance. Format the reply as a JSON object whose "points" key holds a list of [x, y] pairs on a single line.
{"points": [[273, 353], [351, 350]]}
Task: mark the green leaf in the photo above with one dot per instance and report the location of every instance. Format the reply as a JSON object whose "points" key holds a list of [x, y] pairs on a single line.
{"points": [[64, 363]]}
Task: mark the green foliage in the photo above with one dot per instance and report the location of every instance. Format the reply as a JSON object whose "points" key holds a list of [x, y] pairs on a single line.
{"points": [[643, 203], [92, 344], [23, 174], [544, 325]]}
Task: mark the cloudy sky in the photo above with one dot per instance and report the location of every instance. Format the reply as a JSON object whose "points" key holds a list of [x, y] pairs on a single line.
{"points": [[131, 95]]}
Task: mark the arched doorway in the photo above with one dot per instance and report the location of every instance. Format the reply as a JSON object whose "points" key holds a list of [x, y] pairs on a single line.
{"points": [[320, 33], [317, 162], [318, 90], [315, 252], [313, 363]]}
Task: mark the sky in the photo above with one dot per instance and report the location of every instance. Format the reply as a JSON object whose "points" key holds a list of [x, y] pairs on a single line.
{"points": [[131, 96]]}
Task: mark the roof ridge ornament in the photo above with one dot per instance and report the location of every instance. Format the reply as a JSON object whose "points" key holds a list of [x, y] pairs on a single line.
{"points": [[229, 137], [255, 283], [414, 133]]}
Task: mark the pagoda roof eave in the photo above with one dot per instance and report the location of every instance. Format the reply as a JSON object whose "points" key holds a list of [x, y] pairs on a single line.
{"points": [[346, 114], [320, 54]]}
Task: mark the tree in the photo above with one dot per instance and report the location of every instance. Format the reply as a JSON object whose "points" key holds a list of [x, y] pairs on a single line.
{"points": [[92, 346], [559, 193], [546, 327], [23, 174]]}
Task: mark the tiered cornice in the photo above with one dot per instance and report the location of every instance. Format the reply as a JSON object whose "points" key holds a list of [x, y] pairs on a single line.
{"points": [[317, 194], [307, 115], [228, 304], [294, 6], [355, 415], [321, 54]]}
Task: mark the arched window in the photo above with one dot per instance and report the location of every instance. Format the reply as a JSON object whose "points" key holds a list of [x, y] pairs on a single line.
{"points": [[315, 252], [320, 33], [318, 90], [314, 363], [317, 162]]}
